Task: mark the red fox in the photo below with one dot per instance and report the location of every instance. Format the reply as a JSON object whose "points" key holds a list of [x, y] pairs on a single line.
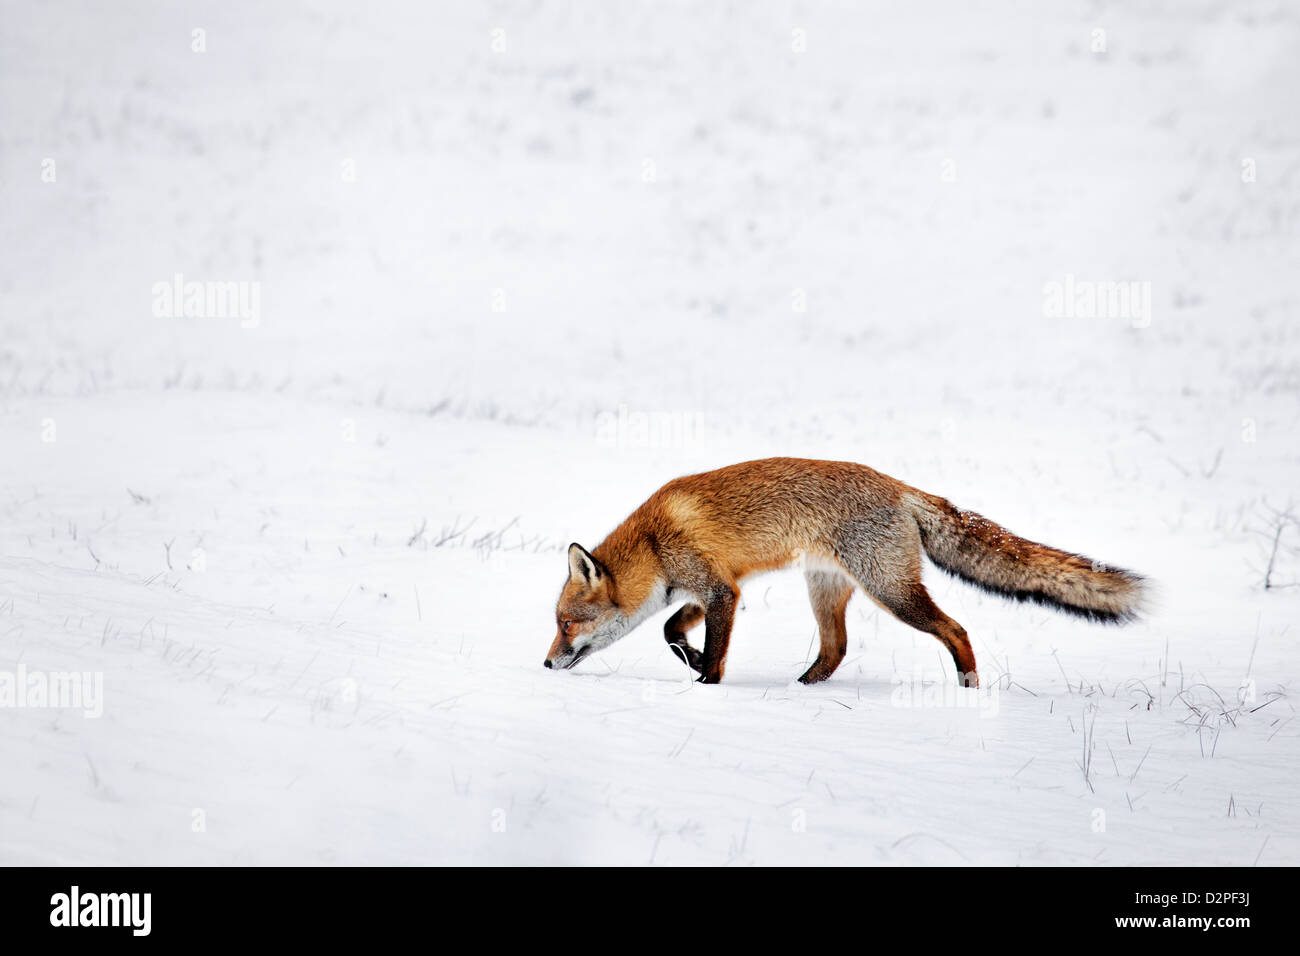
{"points": [[697, 537]]}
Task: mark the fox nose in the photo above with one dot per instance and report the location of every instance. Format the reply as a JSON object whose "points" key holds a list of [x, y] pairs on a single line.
{"points": [[547, 662]]}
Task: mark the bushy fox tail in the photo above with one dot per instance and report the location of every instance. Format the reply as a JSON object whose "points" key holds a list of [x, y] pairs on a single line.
{"points": [[989, 556]]}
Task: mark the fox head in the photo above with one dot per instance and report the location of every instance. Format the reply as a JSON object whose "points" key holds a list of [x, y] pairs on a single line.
{"points": [[587, 617]]}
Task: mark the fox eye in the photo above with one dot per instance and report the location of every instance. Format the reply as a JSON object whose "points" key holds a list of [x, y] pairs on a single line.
{"points": [[565, 625]]}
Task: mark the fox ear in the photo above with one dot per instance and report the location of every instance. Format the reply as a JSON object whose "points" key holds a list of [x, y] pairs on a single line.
{"points": [[582, 566]]}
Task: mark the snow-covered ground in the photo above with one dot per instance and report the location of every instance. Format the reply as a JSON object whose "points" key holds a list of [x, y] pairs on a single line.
{"points": [[518, 265]]}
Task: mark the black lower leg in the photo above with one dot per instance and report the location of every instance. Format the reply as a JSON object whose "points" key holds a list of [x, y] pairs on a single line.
{"points": [[687, 616]]}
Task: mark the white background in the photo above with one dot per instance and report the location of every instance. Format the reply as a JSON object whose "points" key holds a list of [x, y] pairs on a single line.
{"points": [[606, 205]]}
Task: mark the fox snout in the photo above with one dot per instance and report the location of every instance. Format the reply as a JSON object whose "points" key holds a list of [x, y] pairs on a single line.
{"points": [[557, 658], [563, 654], [562, 662]]}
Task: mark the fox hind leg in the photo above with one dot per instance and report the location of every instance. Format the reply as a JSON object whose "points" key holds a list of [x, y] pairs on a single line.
{"points": [[889, 570], [913, 605], [829, 592], [918, 609], [675, 628]]}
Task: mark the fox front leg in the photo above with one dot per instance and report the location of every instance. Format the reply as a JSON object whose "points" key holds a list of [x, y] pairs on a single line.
{"points": [[687, 616], [718, 617]]}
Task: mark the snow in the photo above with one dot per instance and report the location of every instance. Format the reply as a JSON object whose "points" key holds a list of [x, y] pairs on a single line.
{"points": [[506, 295]]}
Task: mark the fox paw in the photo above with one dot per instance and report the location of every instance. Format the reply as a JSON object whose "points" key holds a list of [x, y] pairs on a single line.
{"points": [[689, 656]]}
